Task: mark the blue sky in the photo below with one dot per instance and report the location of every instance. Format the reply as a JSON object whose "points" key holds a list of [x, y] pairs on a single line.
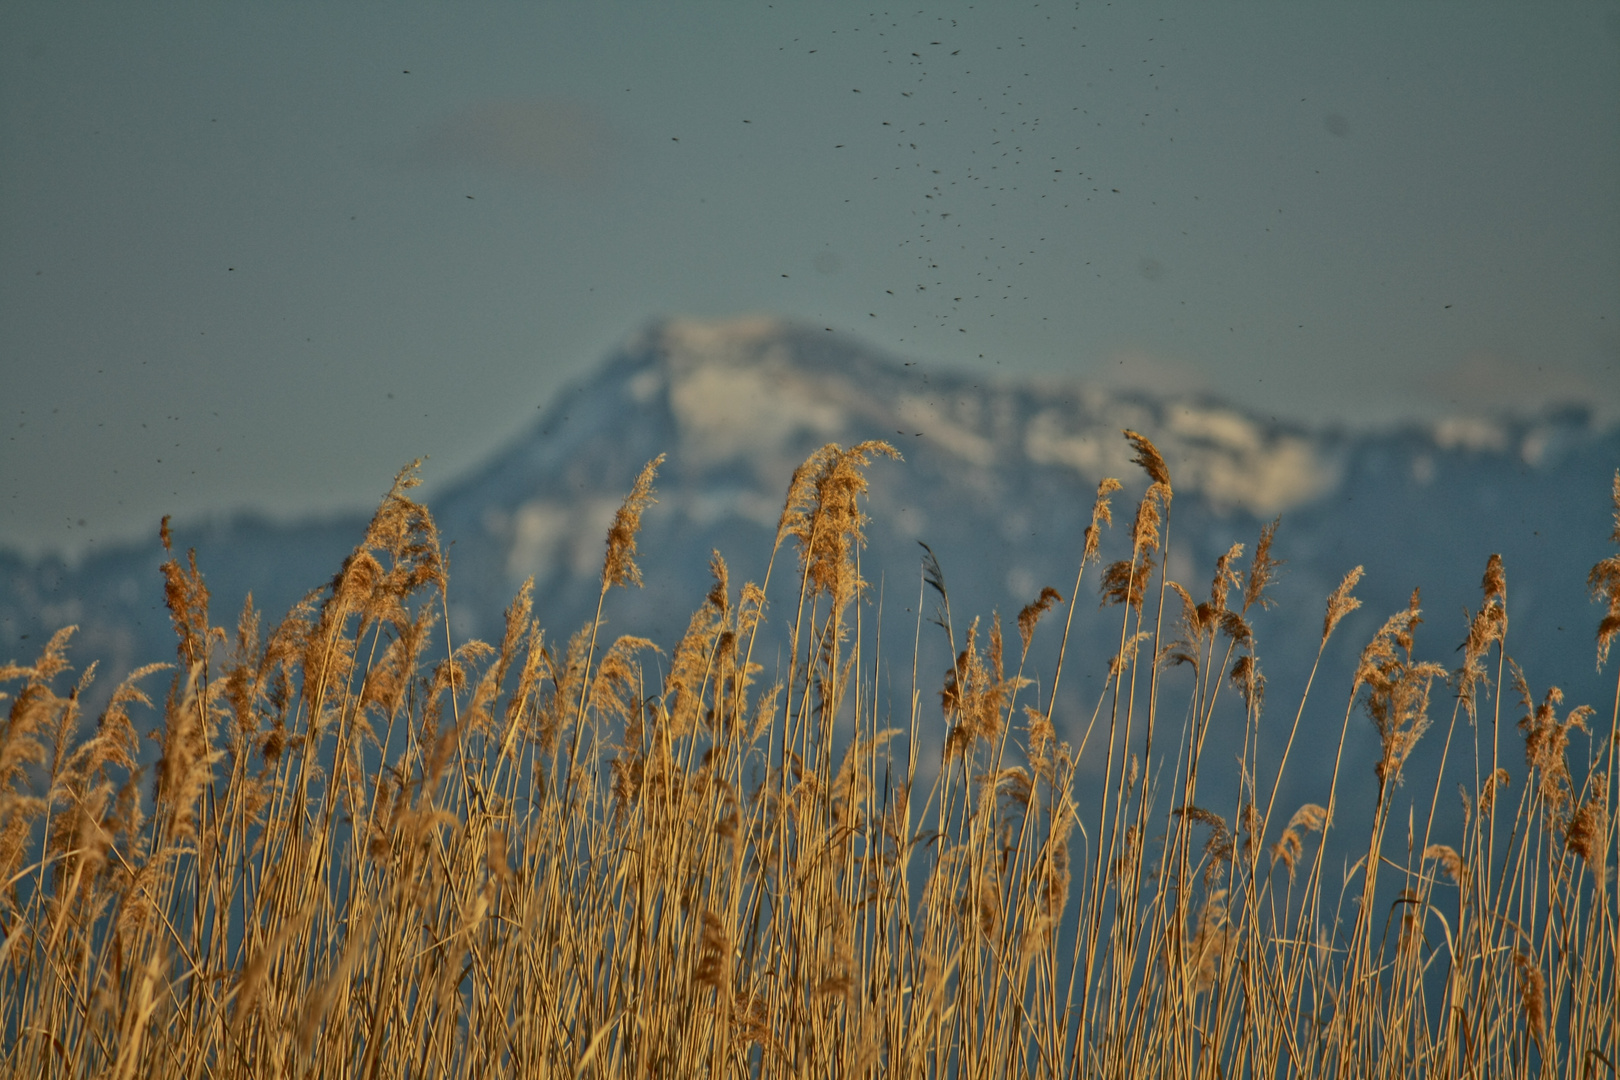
{"points": [[260, 255]]}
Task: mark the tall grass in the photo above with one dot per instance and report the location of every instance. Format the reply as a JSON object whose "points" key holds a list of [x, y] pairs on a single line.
{"points": [[367, 850]]}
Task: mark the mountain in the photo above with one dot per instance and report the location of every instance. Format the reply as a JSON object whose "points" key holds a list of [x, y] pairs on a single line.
{"points": [[998, 479]]}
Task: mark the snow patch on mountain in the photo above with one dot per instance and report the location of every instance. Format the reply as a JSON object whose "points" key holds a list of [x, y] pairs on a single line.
{"points": [[735, 390], [752, 390], [1228, 458], [544, 536], [1474, 433], [940, 426]]}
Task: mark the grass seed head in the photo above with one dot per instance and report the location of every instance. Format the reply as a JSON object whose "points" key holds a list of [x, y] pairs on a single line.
{"points": [[1340, 603], [1449, 861], [1102, 513], [1397, 690], [1291, 844], [1604, 583], [1485, 628], [1546, 743], [1145, 527], [1532, 996], [823, 513], [1147, 456], [1126, 581], [619, 567], [1248, 681], [1262, 570], [1031, 614], [1487, 790], [1587, 833], [1226, 579]]}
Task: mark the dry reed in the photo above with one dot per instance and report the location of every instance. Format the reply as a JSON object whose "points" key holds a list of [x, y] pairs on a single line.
{"points": [[361, 853]]}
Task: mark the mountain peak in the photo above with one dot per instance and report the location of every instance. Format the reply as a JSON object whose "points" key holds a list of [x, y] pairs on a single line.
{"points": [[759, 392], [738, 389], [684, 343]]}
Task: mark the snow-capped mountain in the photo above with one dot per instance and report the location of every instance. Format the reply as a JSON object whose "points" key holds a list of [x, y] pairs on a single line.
{"points": [[997, 478]]}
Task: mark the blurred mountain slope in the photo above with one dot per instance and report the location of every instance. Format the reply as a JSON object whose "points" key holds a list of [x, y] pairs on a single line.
{"points": [[998, 479]]}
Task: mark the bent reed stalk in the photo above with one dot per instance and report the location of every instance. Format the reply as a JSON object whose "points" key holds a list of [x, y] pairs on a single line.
{"points": [[361, 854]]}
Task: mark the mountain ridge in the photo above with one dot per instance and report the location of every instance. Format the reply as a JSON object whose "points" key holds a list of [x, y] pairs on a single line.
{"points": [[998, 480]]}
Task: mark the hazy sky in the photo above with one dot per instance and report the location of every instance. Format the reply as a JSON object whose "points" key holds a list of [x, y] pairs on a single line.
{"points": [[260, 255]]}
